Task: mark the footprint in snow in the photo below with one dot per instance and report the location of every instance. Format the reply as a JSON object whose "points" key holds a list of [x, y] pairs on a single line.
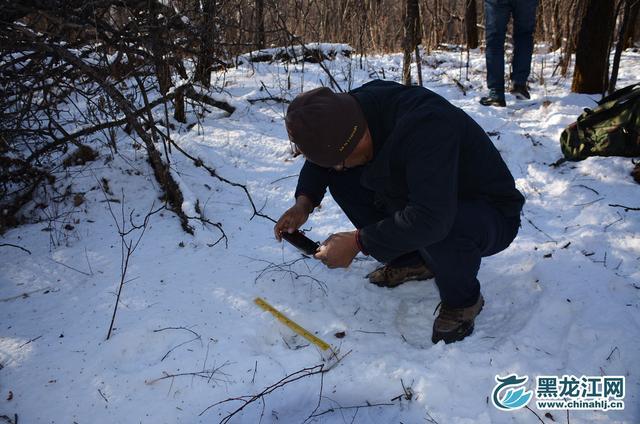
{"points": [[414, 321]]}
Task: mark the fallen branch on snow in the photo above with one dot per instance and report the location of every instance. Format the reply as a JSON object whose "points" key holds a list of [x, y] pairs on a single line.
{"points": [[247, 400], [208, 375], [16, 246], [626, 208], [286, 267]]}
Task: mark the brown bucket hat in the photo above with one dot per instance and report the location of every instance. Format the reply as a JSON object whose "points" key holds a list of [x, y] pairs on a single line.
{"points": [[325, 126]]}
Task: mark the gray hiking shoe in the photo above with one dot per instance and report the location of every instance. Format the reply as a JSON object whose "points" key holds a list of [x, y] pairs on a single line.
{"points": [[454, 324], [388, 276], [520, 92], [495, 98]]}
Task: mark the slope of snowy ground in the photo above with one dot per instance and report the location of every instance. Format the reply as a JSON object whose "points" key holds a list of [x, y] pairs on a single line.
{"points": [[563, 299]]}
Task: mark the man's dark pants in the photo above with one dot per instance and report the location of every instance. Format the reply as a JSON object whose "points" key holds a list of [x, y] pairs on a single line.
{"points": [[497, 14], [479, 230]]}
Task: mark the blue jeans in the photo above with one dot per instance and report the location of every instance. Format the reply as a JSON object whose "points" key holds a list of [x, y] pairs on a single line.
{"points": [[497, 13], [479, 230]]}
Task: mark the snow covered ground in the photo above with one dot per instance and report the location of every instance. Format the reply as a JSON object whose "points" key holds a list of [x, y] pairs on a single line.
{"points": [[564, 299]]}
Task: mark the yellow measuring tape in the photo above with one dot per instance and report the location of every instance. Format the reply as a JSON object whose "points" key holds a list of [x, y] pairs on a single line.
{"points": [[291, 324]]}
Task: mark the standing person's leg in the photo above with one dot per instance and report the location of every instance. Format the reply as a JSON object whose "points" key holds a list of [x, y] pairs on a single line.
{"points": [[496, 14], [479, 230], [524, 25]]}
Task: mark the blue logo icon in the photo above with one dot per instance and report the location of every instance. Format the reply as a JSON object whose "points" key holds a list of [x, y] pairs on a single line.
{"points": [[509, 394]]}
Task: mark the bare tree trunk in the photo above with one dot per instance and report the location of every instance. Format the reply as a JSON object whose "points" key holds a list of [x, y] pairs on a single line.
{"points": [[540, 32], [362, 25], [179, 113], [163, 71], [633, 20], [556, 37], [434, 24], [207, 43], [471, 27], [411, 21], [571, 26], [259, 25], [592, 49], [419, 65], [626, 21]]}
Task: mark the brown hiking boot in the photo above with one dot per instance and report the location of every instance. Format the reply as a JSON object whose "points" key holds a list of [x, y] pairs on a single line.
{"points": [[454, 324], [388, 276]]}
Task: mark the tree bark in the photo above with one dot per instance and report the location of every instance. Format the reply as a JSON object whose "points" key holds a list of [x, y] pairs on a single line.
{"points": [[624, 26], [158, 49], [592, 50], [556, 37], [207, 43], [633, 19], [412, 17], [570, 29], [259, 25], [470, 21]]}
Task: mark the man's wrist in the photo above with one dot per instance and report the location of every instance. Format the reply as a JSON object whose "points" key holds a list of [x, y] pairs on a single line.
{"points": [[305, 203], [359, 243]]}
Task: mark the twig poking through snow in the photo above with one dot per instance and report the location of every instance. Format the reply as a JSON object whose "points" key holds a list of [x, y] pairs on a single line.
{"points": [[9, 420], [206, 374], [430, 419], [534, 413], [283, 178], [588, 188], [127, 247], [16, 246], [536, 227], [370, 332], [70, 267], [621, 218], [286, 268], [25, 294], [32, 340], [356, 407], [612, 351], [626, 208], [533, 140], [590, 203], [197, 337], [249, 399], [199, 162], [407, 393]]}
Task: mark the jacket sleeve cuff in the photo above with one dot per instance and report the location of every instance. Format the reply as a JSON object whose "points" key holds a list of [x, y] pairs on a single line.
{"points": [[359, 242]]}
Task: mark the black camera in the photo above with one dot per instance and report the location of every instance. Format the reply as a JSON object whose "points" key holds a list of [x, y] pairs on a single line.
{"points": [[302, 242]]}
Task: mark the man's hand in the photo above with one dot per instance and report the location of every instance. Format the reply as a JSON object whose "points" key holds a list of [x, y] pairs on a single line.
{"points": [[338, 250], [294, 217]]}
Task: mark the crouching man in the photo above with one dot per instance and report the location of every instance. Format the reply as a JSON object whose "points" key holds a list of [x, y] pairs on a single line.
{"points": [[425, 188]]}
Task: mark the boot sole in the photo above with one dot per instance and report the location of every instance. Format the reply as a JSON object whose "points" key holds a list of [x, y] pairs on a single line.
{"points": [[495, 104]]}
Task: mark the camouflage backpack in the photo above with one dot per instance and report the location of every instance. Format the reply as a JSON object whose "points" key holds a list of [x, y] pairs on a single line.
{"points": [[610, 129]]}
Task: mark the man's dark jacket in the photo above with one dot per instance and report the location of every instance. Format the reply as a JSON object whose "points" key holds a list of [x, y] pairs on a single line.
{"points": [[428, 155]]}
